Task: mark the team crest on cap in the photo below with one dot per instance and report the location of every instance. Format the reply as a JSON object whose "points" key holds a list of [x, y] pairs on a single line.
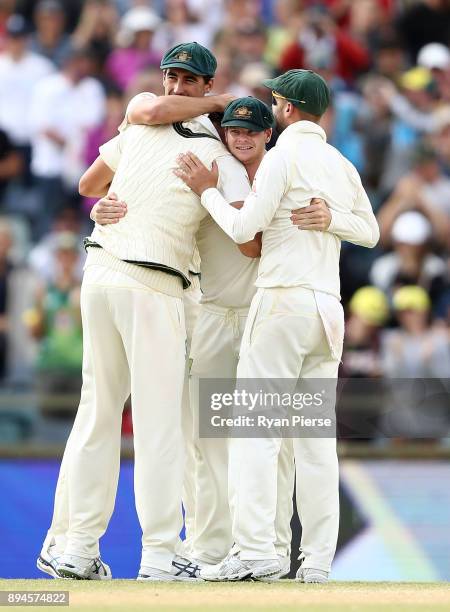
{"points": [[183, 56], [242, 113]]}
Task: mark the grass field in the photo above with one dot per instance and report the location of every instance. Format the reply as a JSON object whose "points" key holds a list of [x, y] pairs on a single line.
{"points": [[131, 596]]}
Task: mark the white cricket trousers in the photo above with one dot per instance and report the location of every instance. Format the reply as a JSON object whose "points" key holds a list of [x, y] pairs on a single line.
{"points": [[57, 533], [134, 340], [192, 307], [285, 338], [214, 353]]}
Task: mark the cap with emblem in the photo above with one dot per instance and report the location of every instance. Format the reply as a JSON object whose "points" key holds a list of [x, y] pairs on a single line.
{"points": [[305, 89], [192, 57], [249, 113]]}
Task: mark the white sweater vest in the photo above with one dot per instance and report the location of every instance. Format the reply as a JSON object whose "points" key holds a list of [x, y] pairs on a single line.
{"points": [[163, 213]]}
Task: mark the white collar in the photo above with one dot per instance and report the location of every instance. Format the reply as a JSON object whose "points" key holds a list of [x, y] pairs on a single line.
{"points": [[302, 127], [202, 123]]}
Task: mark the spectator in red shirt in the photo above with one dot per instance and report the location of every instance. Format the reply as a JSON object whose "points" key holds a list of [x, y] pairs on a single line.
{"points": [[319, 34]]}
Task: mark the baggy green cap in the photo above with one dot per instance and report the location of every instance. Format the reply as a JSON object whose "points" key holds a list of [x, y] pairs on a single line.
{"points": [[249, 113], [192, 57], [306, 89]]}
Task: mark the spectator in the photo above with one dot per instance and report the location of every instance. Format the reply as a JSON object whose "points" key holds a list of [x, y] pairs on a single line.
{"points": [[55, 322], [418, 351], [97, 28], [42, 258], [148, 79], [50, 39], [389, 59], [414, 116], [20, 71], [72, 10], [225, 77], [135, 37], [424, 189], [287, 14], [10, 164], [248, 43], [180, 24], [411, 261], [440, 139], [365, 22], [251, 78], [375, 129], [424, 22], [369, 311], [64, 107], [435, 57], [319, 41], [7, 8], [16, 286]]}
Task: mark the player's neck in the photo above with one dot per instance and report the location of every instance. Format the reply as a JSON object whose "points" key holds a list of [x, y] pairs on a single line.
{"points": [[252, 167]]}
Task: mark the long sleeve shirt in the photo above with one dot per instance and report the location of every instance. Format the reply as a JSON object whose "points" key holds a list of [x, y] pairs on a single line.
{"points": [[300, 167]]}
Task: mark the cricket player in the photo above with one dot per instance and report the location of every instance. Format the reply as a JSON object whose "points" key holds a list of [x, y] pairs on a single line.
{"points": [[228, 286], [295, 326], [134, 331]]}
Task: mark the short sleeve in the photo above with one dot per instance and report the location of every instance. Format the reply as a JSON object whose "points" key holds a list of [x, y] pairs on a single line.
{"points": [[233, 182], [146, 95], [111, 151]]}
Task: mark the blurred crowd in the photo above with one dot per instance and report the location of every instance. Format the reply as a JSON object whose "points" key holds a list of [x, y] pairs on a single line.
{"points": [[68, 69]]}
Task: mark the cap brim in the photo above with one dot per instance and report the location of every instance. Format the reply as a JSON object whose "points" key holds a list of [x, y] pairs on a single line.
{"points": [[243, 124], [270, 83], [184, 66]]}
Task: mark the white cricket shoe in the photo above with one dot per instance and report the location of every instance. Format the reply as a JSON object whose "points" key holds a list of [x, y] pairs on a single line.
{"points": [[285, 563], [310, 575], [182, 569], [233, 568], [80, 568], [47, 561]]}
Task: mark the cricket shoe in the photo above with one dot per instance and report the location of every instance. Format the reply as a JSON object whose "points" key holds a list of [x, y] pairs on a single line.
{"points": [[80, 568], [233, 568], [285, 563], [47, 562], [182, 570], [311, 576]]}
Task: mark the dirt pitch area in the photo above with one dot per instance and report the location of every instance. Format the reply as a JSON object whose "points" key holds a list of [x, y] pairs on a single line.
{"points": [[131, 596]]}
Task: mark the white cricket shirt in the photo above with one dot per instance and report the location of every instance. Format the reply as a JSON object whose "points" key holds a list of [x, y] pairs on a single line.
{"points": [[300, 167]]}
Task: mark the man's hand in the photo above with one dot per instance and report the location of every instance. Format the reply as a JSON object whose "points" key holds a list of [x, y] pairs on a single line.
{"points": [[316, 216], [223, 100], [195, 174], [108, 210]]}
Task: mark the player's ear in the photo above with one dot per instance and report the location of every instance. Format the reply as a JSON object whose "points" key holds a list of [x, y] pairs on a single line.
{"points": [[209, 86], [268, 134]]}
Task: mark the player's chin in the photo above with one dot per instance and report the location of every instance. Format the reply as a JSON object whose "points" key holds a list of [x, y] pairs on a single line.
{"points": [[244, 155]]}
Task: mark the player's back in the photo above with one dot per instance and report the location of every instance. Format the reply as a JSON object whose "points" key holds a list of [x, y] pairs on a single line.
{"points": [[315, 169], [163, 214]]}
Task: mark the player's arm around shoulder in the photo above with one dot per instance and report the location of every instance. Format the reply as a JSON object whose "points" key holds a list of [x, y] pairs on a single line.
{"points": [[141, 110], [148, 109]]}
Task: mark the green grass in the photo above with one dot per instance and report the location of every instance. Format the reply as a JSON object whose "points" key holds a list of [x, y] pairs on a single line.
{"points": [[131, 596]]}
